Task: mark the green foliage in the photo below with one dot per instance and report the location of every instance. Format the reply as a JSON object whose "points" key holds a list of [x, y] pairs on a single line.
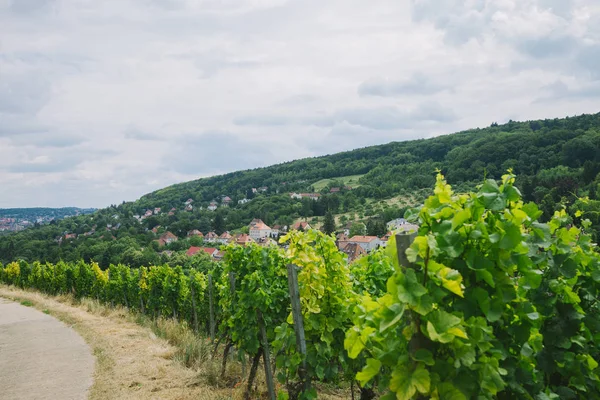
{"points": [[260, 285], [326, 299], [494, 304], [557, 161]]}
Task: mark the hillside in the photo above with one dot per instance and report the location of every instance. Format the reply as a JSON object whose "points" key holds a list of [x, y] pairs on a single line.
{"points": [[556, 161]]}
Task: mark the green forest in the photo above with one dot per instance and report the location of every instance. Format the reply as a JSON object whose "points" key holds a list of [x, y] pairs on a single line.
{"points": [[556, 162]]}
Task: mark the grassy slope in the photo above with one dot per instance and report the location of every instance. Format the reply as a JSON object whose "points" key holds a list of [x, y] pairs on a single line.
{"points": [[350, 180]]}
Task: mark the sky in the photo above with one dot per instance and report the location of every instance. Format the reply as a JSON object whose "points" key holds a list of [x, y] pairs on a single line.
{"points": [[104, 101]]}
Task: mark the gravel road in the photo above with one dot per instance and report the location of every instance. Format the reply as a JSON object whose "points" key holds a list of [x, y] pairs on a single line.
{"points": [[41, 357]]}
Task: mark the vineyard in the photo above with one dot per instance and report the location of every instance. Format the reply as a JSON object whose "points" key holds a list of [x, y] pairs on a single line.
{"points": [[483, 302]]}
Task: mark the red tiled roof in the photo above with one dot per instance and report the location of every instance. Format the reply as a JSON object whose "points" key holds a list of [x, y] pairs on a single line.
{"points": [[363, 239], [299, 224], [260, 226], [193, 250]]}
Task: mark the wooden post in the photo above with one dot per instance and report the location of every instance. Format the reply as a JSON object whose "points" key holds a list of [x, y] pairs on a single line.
{"points": [[266, 356], [232, 284], [403, 242], [141, 298], [298, 323], [211, 307], [193, 293]]}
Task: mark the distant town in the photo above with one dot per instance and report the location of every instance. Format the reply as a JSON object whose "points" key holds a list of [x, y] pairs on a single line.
{"points": [[17, 219]]}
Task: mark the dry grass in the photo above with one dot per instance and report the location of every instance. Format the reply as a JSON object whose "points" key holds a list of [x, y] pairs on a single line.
{"points": [[132, 362], [141, 358]]}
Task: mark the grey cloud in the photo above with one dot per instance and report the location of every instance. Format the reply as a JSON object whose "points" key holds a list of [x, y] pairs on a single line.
{"points": [[265, 120], [418, 83], [48, 139], [385, 118], [14, 125], [27, 7], [588, 58], [560, 90], [23, 94], [137, 134], [562, 8], [284, 120], [547, 47], [215, 152], [299, 100], [379, 118], [55, 164]]}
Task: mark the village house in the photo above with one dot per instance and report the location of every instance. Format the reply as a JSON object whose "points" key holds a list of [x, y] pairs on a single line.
{"points": [[243, 201], [258, 229], [189, 201], [276, 230], [243, 239], [189, 207], [211, 251], [334, 190], [70, 236], [263, 189], [341, 240], [353, 251], [401, 225], [166, 238], [148, 213], [368, 243], [211, 237], [195, 232], [156, 210], [225, 238], [385, 238], [299, 196], [266, 241], [301, 225], [226, 200], [212, 206], [155, 229]]}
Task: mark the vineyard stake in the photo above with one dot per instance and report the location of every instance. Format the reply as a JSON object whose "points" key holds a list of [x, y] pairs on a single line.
{"points": [[211, 307], [403, 242], [192, 276], [141, 297], [298, 323], [266, 356]]}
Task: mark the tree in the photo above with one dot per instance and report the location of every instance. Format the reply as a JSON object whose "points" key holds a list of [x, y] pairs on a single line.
{"points": [[357, 228], [219, 224], [329, 223]]}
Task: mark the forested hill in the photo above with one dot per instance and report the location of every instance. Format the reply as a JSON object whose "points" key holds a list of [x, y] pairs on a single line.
{"points": [[556, 161]]}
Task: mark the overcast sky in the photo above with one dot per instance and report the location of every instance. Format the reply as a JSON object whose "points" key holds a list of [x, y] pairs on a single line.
{"points": [[105, 100]]}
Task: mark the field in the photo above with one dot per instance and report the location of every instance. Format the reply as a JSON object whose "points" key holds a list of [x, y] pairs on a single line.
{"points": [[350, 180]]}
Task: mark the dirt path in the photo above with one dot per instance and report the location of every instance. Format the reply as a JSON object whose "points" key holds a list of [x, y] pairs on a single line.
{"points": [[131, 362], [40, 357]]}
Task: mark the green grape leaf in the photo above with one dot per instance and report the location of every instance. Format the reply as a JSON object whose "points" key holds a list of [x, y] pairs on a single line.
{"points": [[443, 327], [369, 371], [451, 280], [447, 391], [405, 383], [423, 355], [391, 316]]}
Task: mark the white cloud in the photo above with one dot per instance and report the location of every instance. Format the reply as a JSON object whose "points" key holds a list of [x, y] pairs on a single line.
{"points": [[103, 101]]}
